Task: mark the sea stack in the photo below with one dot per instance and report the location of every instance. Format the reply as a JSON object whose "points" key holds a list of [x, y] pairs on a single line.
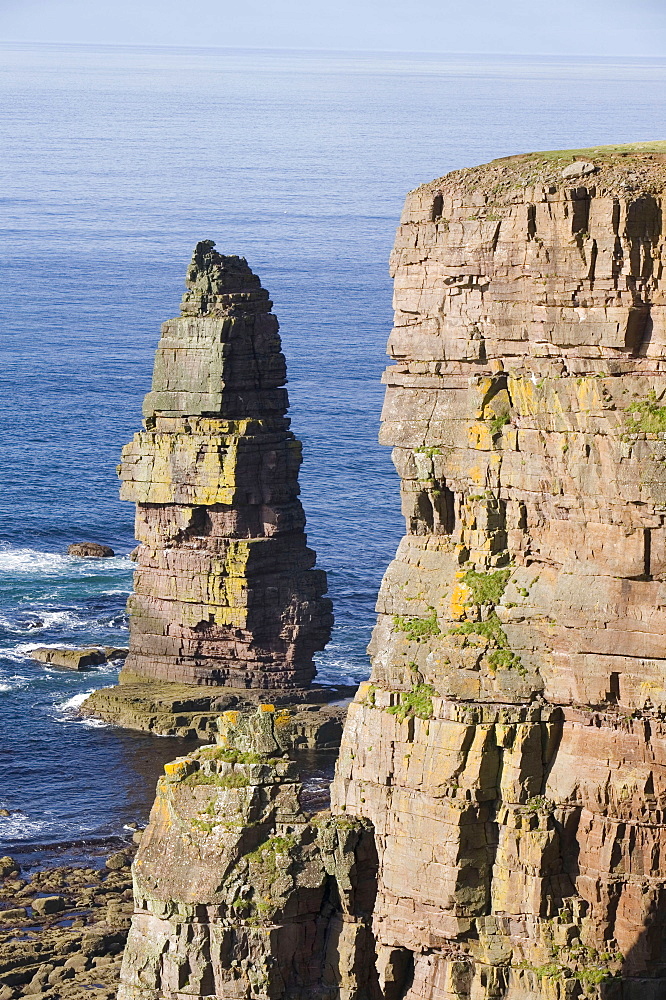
{"points": [[225, 592]]}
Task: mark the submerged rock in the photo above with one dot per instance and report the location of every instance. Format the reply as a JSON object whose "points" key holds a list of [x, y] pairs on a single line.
{"points": [[90, 550]]}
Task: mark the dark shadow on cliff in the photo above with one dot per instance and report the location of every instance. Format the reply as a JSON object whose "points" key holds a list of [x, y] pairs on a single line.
{"points": [[643, 974]]}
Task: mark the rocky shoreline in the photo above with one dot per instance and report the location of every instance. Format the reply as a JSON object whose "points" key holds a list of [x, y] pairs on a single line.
{"points": [[63, 930]]}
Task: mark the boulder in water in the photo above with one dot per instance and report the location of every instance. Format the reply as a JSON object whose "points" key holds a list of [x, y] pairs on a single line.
{"points": [[90, 550], [9, 867], [83, 658], [69, 659]]}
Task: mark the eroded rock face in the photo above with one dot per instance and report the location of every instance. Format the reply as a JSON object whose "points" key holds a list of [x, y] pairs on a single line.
{"points": [[510, 748], [238, 892], [225, 592], [507, 759]]}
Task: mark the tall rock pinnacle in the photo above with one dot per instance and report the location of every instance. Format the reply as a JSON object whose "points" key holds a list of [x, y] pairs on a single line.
{"points": [[225, 592]]}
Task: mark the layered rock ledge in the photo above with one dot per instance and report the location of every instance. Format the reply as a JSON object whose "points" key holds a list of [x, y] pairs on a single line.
{"points": [[239, 889]]}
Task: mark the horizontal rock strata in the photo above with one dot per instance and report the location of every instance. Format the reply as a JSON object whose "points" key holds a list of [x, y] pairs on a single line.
{"points": [[505, 766], [238, 891], [225, 592], [193, 712], [509, 750]]}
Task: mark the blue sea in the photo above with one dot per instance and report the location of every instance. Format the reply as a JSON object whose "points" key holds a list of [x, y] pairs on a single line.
{"points": [[116, 161]]}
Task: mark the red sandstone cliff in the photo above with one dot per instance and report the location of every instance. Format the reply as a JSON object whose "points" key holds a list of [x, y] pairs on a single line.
{"points": [[508, 753]]}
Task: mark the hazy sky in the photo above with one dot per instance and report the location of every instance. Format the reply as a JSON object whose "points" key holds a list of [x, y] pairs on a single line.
{"points": [[577, 27]]}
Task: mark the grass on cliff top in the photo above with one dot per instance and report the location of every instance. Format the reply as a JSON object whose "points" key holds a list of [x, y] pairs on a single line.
{"points": [[500, 177], [594, 153]]}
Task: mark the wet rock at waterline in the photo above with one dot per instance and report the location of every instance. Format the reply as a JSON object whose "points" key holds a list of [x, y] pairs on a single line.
{"points": [[90, 550], [86, 658]]}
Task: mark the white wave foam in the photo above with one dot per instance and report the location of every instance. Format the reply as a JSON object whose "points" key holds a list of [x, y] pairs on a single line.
{"points": [[68, 711], [23, 649], [331, 670], [90, 723], [13, 683], [42, 621], [51, 618], [32, 562], [75, 702], [18, 826]]}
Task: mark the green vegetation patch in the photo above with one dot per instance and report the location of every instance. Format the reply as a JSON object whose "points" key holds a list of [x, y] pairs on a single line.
{"points": [[416, 702], [539, 803], [491, 630], [592, 977], [648, 416], [551, 970], [595, 153], [203, 824], [425, 450], [498, 422], [502, 656], [487, 588], [417, 629], [506, 659], [232, 780], [265, 856]]}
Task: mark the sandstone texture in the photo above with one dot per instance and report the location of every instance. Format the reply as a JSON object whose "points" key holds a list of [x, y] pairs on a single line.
{"points": [[225, 592], [502, 775], [238, 891], [509, 750]]}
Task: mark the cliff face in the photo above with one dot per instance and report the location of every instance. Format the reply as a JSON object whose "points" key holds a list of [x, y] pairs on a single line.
{"points": [[509, 749], [239, 892], [224, 591], [506, 761]]}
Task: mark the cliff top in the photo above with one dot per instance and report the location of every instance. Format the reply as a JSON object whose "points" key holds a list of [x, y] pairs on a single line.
{"points": [[636, 166]]}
